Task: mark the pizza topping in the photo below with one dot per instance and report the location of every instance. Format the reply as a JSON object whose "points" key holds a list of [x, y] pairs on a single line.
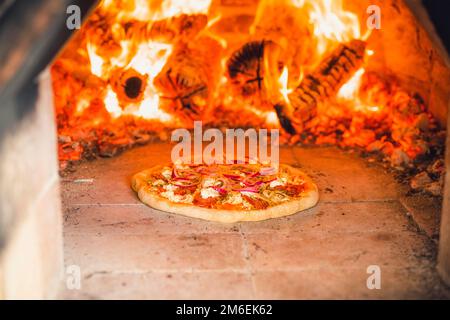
{"points": [[206, 203], [209, 193], [231, 186], [256, 202], [277, 182], [188, 198], [158, 182], [208, 182], [170, 187], [167, 173], [291, 189], [185, 183], [185, 190], [248, 190], [234, 198], [275, 196], [265, 171]]}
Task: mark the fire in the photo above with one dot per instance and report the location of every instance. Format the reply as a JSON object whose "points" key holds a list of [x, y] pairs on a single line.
{"points": [[331, 22], [138, 68], [146, 57], [126, 45], [145, 10], [112, 103], [95, 60], [283, 81], [350, 92]]}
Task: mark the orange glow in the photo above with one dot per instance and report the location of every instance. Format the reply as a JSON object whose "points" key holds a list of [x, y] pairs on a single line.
{"points": [[138, 69], [330, 22], [147, 57], [117, 51], [351, 90], [283, 82]]}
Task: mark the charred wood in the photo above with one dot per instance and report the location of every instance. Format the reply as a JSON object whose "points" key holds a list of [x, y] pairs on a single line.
{"points": [[333, 72], [129, 85], [188, 79], [246, 69], [106, 35], [183, 27]]}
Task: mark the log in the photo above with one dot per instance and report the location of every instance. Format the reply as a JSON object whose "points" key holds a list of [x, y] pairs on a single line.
{"points": [[106, 35], [183, 27], [189, 78], [246, 69], [326, 80], [129, 85]]}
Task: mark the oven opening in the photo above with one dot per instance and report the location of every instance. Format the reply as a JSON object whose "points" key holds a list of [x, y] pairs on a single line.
{"points": [[354, 95]]}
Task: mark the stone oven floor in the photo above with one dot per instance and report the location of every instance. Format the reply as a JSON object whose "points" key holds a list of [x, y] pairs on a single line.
{"points": [[129, 251]]}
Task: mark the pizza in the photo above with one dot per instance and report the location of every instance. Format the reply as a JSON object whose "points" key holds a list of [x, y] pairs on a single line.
{"points": [[226, 192]]}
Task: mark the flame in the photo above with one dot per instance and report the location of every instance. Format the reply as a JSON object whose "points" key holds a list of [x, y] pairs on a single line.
{"points": [[272, 119], [350, 90], [145, 57], [133, 40], [95, 60], [331, 22], [283, 82], [147, 10], [112, 103], [350, 93]]}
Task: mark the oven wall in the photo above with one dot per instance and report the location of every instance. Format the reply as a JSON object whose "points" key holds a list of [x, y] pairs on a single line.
{"points": [[31, 252], [31, 245]]}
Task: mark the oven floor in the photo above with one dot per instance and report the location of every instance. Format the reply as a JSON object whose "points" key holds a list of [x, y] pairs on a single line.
{"points": [[127, 250]]}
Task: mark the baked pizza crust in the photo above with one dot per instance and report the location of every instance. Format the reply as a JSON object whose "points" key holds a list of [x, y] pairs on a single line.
{"points": [[308, 200]]}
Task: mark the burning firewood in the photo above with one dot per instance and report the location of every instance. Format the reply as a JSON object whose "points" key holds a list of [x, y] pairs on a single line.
{"points": [[320, 85], [188, 79], [247, 69], [183, 27], [129, 85], [99, 31]]}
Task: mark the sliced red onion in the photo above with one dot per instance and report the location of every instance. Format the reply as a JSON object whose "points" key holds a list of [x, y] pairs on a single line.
{"points": [[252, 184], [186, 185], [249, 189], [220, 190], [186, 174], [268, 171], [232, 177], [180, 179]]}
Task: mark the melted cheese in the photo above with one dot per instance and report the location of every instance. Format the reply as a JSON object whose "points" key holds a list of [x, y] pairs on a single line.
{"points": [[208, 182], [170, 187], [209, 193], [278, 182], [158, 182], [167, 173], [234, 198], [177, 198]]}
